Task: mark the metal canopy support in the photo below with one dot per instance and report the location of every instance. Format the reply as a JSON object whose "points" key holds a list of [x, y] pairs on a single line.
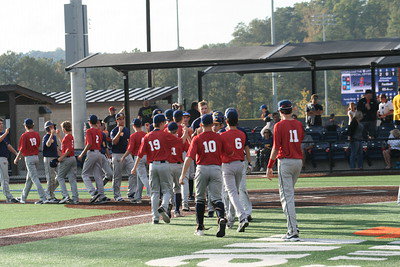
{"points": [[126, 99], [373, 71], [200, 75], [148, 32], [13, 126], [313, 78]]}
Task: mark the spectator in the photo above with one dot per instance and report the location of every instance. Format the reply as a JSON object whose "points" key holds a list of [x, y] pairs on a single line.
{"points": [[396, 108], [270, 125], [332, 125], [357, 133], [314, 112], [385, 111], [177, 106], [262, 155], [194, 112], [307, 145], [368, 106], [351, 111], [110, 120], [145, 112], [393, 149], [265, 114]]}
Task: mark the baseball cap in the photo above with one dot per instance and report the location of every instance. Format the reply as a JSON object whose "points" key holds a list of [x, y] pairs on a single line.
{"points": [[186, 114], [218, 117], [93, 119], [156, 111], [111, 108], [119, 115], [178, 114], [169, 113], [137, 122], [207, 119], [173, 126], [159, 118], [284, 105], [28, 122], [48, 124], [232, 114], [263, 106]]}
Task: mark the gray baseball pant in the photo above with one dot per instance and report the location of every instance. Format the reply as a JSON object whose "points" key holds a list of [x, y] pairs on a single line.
{"points": [[208, 176], [176, 170], [288, 172], [232, 174], [120, 166], [142, 179], [51, 174], [160, 180], [92, 165], [32, 177], [4, 178], [106, 167], [67, 169], [185, 186], [243, 194]]}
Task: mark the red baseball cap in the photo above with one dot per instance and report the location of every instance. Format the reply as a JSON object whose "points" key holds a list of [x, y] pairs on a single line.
{"points": [[111, 108]]}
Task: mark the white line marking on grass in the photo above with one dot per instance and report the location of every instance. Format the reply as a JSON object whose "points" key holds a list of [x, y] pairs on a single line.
{"points": [[375, 253], [385, 247], [311, 241], [75, 226], [279, 248], [356, 258]]}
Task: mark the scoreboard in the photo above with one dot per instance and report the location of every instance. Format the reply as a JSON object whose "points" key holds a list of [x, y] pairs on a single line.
{"points": [[355, 82]]}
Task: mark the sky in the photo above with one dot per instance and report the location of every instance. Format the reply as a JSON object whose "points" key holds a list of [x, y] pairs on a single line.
{"points": [[120, 25]]}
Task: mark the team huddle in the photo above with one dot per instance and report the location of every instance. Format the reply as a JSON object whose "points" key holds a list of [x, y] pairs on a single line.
{"points": [[217, 154]]}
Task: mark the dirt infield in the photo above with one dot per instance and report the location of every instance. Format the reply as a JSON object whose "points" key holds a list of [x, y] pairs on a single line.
{"points": [[132, 214]]}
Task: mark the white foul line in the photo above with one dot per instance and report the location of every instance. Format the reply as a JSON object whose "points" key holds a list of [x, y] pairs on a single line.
{"points": [[74, 226]]}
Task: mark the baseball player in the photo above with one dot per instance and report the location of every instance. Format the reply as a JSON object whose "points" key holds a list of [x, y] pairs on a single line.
{"points": [[133, 149], [175, 163], [232, 166], [105, 164], [92, 164], [120, 138], [157, 146], [50, 152], [169, 113], [29, 144], [207, 148], [5, 149], [67, 166], [203, 108], [288, 135]]}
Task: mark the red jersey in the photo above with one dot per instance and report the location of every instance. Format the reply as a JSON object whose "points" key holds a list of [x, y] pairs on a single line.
{"points": [[94, 137], [236, 141], [207, 148], [29, 143], [179, 131], [157, 145], [134, 142], [177, 150], [68, 143], [288, 135]]}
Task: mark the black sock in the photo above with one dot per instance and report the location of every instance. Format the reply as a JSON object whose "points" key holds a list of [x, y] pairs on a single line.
{"points": [[200, 208], [191, 183], [219, 209], [178, 201]]}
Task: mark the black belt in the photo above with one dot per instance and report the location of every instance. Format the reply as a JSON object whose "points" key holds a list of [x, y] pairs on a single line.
{"points": [[160, 161], [178, 162], [92, 150]]}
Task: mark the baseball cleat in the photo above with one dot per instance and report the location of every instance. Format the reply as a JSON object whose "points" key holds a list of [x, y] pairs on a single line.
{"points": [[40, 202], [242, 225], [164, 215], [102, 200], [64, 200], [94, 198], [177, 214], [156, 222], [53, 201], [249, 218], [12, 200], [186, 207], [199, 230], [221, 227], [20, 200], [291, 238], [119, 199]]}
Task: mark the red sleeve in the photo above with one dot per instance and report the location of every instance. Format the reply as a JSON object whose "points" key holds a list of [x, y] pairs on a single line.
{"points": [[22, 143], [131, 144], [89, 139], [277, 138], [143, 148], [192, 152]]}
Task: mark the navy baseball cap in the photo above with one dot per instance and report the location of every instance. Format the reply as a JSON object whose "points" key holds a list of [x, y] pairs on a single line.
{"points": [[119, 115], [263, 106], [93, 119], [159, 118], [137, 122], [284, 105], [156, 111], [48, 124], [169, 113], [28, 122], [186, 114], [173, 126], [178, 114], [218, 117], [207, 119], [231, 114]]}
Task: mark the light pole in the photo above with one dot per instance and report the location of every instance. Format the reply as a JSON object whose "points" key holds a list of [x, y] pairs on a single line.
{"points": [[180, 89], [324, 20], [274, 82]]}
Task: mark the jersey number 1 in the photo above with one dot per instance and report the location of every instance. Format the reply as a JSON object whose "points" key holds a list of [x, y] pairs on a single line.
{"points": [[293, 136]]}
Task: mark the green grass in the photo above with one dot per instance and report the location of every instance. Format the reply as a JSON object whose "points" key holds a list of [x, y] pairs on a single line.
{"points": [[135, 245]]}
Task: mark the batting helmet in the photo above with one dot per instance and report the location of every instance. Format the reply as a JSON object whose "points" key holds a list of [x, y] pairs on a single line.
{"points": [[54, 163]]}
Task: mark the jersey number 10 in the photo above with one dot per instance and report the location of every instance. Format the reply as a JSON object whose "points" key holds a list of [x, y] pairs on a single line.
{"points": [[209, 146]]}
